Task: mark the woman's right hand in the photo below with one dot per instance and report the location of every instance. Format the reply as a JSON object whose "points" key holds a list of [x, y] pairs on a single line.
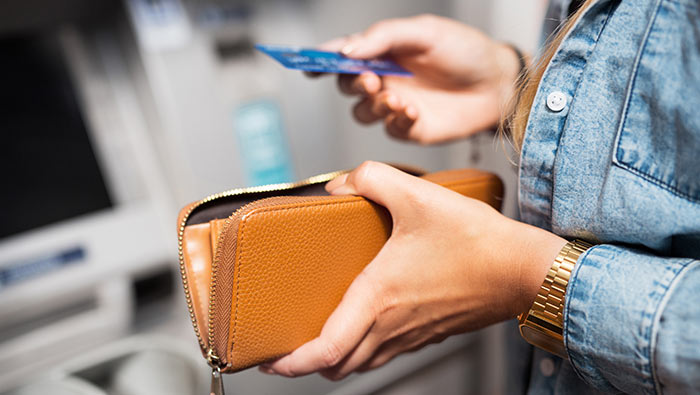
{"points": [[461, 84]]}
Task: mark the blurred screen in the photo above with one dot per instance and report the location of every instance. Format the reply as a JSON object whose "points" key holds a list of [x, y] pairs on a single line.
{"points": [[49, 169]]}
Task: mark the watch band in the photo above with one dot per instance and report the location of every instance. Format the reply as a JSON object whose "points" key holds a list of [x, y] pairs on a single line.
{"points": [[543, 324]]}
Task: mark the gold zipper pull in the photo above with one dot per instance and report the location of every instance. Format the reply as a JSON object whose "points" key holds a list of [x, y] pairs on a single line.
{"points": [[217, 385]]}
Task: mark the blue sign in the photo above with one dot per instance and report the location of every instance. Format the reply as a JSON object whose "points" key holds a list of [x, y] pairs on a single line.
{"points": [[35, 267], [263, 147]]}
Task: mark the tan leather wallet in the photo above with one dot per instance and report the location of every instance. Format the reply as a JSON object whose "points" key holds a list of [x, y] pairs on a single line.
{"points": [[264, 267]]}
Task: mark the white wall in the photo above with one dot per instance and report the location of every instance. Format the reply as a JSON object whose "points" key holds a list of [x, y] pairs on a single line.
{"points": [[519, 23]]}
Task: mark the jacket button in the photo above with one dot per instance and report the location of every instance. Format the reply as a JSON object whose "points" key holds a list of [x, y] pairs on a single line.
{"points": [[556, 101]]}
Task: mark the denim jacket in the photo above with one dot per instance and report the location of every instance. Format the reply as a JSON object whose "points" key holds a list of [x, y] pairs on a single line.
{"points": [[612, 156]]}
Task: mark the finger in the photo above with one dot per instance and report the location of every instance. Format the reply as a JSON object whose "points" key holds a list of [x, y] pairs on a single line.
{"points": [[346, 84], [385, 185], [385, 37], [386, 103], [343, 331], [334, 183], [372, 109], [359, 356], [400, 123], [379, 346], [334, 45], [366, 83], [392, 130], [389, 351], [406, 343], [362, 111]]}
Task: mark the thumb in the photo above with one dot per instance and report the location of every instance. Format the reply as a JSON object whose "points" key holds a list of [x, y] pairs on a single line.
{"points": [[383, 184], [335, 45], [391, 36]]}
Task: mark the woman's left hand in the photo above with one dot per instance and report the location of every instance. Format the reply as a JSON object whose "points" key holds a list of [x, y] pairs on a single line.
{"points": [[452, 265]]}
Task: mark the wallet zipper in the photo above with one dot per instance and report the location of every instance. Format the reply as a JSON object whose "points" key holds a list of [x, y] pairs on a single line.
{"points": [[221, 306], [212, 358]]}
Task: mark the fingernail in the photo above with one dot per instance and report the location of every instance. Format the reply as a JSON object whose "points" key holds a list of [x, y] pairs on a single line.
{"points": [[344, 189], [392, 102], [347, 49], [266, 370], [336, 182], [411, 113]]}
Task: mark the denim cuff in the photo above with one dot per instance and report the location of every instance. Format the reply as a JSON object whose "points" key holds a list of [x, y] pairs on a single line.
{"points": [[614, 302], [676, 359]]}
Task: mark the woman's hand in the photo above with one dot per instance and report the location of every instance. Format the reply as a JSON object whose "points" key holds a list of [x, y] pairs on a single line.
{"points": [[461, 84], [452, 264]]}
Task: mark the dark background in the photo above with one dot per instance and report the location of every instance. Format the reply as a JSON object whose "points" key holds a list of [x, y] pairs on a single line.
{"points": [[49, 169]]}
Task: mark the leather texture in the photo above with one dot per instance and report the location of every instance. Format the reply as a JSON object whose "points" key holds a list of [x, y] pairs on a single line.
{"points": [[197, 248], [282, 265]]}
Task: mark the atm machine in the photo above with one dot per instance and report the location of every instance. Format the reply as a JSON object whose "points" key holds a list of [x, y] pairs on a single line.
{"points": [[86, 212], [115, 113]]}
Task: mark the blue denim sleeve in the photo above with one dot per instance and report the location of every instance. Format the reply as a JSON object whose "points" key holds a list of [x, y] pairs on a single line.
{"points": [[632, 321]]}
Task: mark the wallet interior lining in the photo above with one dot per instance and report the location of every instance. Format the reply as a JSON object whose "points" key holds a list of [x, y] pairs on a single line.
{"points": [[224, 207]]}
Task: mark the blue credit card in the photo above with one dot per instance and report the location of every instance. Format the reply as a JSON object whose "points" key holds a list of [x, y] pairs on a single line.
{"points": [[330, 62]]}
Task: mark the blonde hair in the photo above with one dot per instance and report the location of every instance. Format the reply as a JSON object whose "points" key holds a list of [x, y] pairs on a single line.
{"points": [[527, 85]]}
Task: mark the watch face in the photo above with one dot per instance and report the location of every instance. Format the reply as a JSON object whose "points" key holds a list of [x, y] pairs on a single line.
{"points": [[542, 340]]}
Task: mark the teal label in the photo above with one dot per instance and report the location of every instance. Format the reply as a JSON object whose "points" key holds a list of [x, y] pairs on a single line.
{"points": [[262, 143]]}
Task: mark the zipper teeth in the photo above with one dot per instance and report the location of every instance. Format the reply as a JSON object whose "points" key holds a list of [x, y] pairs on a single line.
{"points": [[214, 271], [183, 275], [212, 286], [181, 233]]}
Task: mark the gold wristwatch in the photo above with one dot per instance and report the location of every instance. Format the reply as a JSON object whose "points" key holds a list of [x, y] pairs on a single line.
{"points": [[543, 325]]}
